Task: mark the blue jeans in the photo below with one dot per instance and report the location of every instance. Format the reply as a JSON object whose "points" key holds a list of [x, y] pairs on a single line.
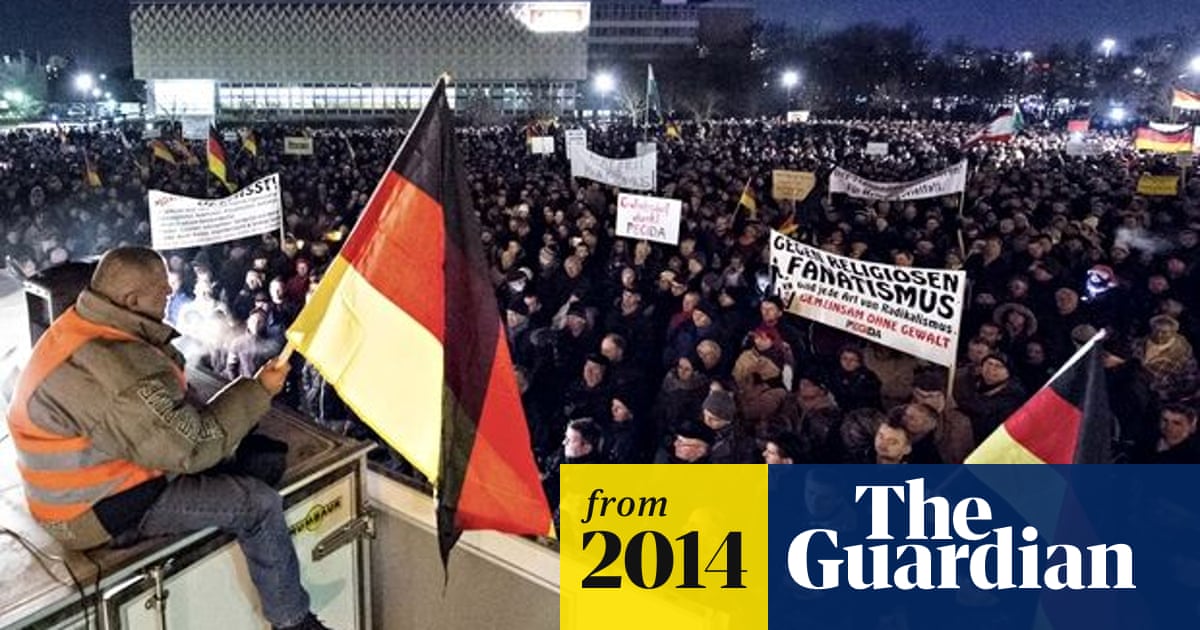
{"points": [[250, 510]]}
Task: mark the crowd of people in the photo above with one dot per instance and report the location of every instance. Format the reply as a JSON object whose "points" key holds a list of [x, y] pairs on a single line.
{"points": [[630, 351]]}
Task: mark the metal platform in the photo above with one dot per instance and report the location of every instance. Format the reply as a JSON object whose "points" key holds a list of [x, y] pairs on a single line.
{"points": [[32, 596]]}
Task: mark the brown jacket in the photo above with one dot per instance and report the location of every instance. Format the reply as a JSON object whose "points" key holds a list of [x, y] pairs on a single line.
{"points": [[127, 398]]}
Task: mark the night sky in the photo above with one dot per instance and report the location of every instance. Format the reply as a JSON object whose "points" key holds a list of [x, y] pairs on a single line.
{"points": [[97, 31]]}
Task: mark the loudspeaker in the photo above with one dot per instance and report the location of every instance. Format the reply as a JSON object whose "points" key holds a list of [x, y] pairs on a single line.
{"points": [[52, 291]]}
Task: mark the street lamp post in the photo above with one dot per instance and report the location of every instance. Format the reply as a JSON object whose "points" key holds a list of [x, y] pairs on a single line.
{"points": [[1107, 46], [604, 84], [789, 79]]}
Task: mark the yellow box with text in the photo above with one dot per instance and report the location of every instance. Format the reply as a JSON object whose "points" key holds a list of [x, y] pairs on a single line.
{"points": [[663, 546]]}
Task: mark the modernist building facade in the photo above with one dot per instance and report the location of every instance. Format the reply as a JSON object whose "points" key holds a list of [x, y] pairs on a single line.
{"points": [[367, 57]]}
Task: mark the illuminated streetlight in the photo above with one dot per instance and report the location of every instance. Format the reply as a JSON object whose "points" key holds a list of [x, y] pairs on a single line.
{"points": [[605, 82], [103, 77], [1194, 66], [1026, 56], [1108, 45], [108, 96], [790, 78], [1117, 114], [96, 92], [84, 82], [1137, 72]]}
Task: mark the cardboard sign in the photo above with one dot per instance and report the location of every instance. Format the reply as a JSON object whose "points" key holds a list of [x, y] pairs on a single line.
{"points": [[541, 145], [650, 218], [793, 185], [575, 139], [877, 148], [1158, 185], [297, 145], [799, 116]]}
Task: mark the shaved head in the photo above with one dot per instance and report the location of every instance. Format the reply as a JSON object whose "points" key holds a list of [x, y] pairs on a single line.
{"points": [[133, 277]]}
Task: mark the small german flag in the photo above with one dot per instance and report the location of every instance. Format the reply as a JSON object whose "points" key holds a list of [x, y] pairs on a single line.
{"points": [[216, 157], [1147, 139], [790, 226], [747, 200], [250, 142], [1067, 421], [90, 175], [673, 131], [181, 147], [1185, 99], [161, 152]]}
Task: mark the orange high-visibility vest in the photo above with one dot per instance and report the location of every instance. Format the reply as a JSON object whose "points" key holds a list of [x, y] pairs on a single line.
{"points": [[65, 475]]}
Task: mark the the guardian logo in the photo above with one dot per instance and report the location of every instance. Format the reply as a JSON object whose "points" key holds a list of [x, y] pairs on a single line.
{"points": [[987, 558]]}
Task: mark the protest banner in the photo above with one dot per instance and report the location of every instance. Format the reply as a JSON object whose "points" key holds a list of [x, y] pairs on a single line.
{"points": [[1080, 126], [178, 222], [646, 147], [915, 311], [950, 181], [541, 145], [877, 148], [1084, 147], [798, 116], [650, 218], [297, 145], [794, 185], [638, 173], [575, 139], [1158, 185]]}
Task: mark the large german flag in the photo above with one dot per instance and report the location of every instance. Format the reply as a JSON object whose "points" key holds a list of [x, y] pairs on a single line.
{"points": [[1066, 422], [405, 326], [1185, 99], [1147, 139], [216, 157]]}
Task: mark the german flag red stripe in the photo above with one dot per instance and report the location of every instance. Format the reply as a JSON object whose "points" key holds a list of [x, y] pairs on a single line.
{"points": [[1185, 99], [1147, 139], [1066, 422]]}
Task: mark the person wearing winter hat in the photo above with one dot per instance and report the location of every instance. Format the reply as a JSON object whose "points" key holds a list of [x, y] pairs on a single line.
{"points": [[626, 443], [692, 445], [953, 436], [996, 397], [784, 447], [730, 446]]}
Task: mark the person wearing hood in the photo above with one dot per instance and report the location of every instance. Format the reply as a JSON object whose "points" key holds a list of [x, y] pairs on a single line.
{"points": [[895, 371], [853, 385], [682, 341], [730, 444], [1167, 356], [1017, 325], [996, 397], [680, 397], [952, 434], [767, 347], [626, 441]]}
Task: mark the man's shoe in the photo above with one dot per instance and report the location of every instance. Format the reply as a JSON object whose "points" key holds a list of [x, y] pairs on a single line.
{"points": [[310, 622]]}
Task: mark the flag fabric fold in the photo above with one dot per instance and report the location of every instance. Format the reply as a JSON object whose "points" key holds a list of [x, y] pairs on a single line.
{"points": [[653, 100], [1185, 99], [1149, 139], [160, 152], [1067, 421], [90, 175], [405, 327], [1001, 129], [216, 158], [250, 142]]}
